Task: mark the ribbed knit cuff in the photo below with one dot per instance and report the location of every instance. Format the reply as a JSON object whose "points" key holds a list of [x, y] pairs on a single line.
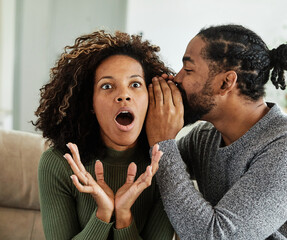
{"points": [[96, 227], [128, 233], [163, 145]]}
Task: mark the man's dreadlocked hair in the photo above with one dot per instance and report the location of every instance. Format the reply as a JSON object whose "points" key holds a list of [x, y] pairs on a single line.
{"points": [[66, 104], [234, 47]]}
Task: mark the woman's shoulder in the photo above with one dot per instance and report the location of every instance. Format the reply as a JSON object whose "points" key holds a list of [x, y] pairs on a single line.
{"points": [[53, 159]]}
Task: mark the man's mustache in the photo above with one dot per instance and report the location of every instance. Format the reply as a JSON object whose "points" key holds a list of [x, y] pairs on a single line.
{"points": [[183, 94]]}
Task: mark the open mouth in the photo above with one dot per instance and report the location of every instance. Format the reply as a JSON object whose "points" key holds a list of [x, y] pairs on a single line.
{"points": [[124, 118]]}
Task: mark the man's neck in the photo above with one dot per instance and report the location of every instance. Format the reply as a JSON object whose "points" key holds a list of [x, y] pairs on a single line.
{"points": [[236, 120]]}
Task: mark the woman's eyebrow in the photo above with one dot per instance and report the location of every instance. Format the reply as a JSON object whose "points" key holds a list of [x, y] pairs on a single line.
{"points": [[110, 77], [136, 75], [105, 77]]}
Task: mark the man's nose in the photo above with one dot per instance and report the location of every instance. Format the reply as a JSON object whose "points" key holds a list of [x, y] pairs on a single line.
{"points": [[178, 77]]}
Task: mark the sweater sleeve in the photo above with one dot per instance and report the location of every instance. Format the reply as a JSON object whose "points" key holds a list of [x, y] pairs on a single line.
{"points": [[158, 227], [58, 205], [254, 207]]}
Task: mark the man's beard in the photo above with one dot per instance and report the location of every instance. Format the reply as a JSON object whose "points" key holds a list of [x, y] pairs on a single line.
{"points": [[196, 105]]}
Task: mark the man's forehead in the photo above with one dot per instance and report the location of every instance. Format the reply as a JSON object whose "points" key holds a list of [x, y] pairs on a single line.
{"points": [[193, 49]]}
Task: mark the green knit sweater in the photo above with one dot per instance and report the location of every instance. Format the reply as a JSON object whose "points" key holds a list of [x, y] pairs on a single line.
{"points": [[69, 214]]}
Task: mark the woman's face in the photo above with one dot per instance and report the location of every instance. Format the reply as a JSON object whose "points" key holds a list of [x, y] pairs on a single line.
{"points": [[120, 101]]}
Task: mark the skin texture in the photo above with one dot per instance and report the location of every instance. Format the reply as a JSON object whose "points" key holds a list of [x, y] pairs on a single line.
{"points": [[231, 113], [118, 87], [119, 84], [165, 110]]}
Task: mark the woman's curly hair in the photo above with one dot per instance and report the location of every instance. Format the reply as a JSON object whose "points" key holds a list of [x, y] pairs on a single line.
{"points": [[66, 103]]}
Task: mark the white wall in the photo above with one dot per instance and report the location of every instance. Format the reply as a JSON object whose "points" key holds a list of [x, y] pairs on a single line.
{"points": [[43, 29], [7, 37], [39, 29], [171, 24]]}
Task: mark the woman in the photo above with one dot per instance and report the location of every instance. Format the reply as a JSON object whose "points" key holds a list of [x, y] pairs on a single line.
{"points": [[96, 102]]}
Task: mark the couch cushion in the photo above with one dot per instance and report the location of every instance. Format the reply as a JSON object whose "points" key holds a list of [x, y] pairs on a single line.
{"points": [[19, 156], [16, 224]]}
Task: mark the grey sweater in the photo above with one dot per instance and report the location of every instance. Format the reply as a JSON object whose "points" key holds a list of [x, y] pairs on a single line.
{"points": [[243, 186]]}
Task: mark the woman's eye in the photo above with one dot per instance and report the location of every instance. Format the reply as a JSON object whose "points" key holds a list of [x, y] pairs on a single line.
{"points": [[106, 86], [136, 85]]}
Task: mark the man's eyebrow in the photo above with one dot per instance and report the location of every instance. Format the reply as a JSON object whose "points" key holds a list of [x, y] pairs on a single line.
{"points": [[188, 59]]}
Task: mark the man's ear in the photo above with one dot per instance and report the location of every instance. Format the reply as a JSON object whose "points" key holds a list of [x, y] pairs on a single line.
{"points": [[228, 82]]}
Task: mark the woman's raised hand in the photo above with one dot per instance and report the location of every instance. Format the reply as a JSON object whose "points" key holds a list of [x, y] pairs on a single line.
{"points": [[125, 197], [85, 183], [129, 192]]}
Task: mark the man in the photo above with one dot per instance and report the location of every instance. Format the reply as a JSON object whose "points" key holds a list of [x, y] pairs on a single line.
{"points": [[238, 154]]}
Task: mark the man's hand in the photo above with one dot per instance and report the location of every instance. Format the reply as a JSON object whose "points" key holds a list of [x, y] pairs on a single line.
{"points": [[165, 113]]}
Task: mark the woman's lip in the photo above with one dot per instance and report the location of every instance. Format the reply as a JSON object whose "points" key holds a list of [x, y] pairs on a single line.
{"points": [[125, 128]]}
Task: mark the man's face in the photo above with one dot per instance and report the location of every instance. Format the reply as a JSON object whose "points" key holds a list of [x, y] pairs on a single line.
{"points": [[195, 83]]}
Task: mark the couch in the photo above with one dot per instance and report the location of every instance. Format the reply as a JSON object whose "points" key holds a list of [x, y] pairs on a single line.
{"points": [[20, 216]]}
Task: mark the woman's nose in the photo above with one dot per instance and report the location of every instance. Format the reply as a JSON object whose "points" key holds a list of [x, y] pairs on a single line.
{"points": [[120, 99], [123, 95]]}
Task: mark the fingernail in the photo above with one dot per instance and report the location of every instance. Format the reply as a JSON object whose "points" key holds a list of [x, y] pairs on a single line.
{"points": [[67, 145], [71, 177], [64, 156]]}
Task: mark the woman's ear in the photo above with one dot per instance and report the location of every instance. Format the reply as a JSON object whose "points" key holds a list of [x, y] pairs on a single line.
{"points": [[228, 82]]}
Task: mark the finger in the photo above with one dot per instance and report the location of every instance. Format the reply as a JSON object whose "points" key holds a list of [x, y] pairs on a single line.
{"points": [[176, 95], [156, 155], [167, 77], [170, 77], [80, 187], [76, 156], [151, 96], [99, 171], [155, 162], [166, 91], [132, 170], [157, 91], [144, 179], [155, 149], [76, 170], [78, 159]]}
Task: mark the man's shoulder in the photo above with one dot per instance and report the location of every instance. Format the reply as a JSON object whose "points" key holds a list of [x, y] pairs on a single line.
{"points": [[203, 128], [199, 132]]}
